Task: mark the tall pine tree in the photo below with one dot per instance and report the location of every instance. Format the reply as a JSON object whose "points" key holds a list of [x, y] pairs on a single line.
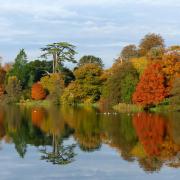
{"points": [[19, 68]]}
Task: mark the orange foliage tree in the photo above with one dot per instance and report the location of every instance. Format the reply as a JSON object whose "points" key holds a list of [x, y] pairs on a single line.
{"points": [[37, 92], [150, 129], [171, 69], [151, 88]]}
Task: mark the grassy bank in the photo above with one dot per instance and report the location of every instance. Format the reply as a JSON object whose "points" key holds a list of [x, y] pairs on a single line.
{"points": [[121, 107], [127, 108], [164, 108], [95, 105], [45, 103]]}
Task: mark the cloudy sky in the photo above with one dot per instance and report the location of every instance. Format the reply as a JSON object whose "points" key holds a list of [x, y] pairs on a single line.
{"points": [[98, 27]]}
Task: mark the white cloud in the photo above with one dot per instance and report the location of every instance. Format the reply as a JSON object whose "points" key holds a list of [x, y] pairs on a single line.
{"points": [[115, 44], [160, 2], [91, 24], [36, 8]]}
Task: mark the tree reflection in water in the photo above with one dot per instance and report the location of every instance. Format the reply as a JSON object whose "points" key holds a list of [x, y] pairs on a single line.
{"points": [[150, 129], [60, 154], [53, 124], [154, 134], [153, 140]]}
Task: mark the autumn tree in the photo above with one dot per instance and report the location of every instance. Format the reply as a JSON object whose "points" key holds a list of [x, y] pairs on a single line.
{"points": [[140, 64], [54, 84], [151, 88], [73, 94], [37, 92], [156, 53], [88, 76], [50, 82], [175, 93], [121, 84], [174, 48], [129, 52], [150, 41], [171, 69], [60, 52], [116, 65], [87, 86], [90, 59], [13, 89]]}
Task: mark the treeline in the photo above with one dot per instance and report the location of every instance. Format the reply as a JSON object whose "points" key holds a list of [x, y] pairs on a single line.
{"points": [[146, 75]]}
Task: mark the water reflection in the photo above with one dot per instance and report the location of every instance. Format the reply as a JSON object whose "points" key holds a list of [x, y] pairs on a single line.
{"points": [[153, 140]]}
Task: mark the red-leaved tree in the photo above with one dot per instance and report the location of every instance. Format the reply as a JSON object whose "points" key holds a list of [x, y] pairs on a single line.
{"points": [[151, 89], [37, 92]]}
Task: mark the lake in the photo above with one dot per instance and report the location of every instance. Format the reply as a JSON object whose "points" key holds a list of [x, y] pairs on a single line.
{"points": [[87, 143]]}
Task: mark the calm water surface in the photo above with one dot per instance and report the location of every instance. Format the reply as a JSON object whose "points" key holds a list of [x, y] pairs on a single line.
{"points": [[85, 143]]}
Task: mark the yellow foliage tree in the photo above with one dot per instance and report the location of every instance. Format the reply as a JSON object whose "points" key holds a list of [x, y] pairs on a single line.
{"points": [[140, 64], [73, 94], [54, 84], [171, 69], [50, 82], [87, 87]]}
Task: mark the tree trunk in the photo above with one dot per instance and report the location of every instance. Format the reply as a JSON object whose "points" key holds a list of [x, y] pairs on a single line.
{"points": [[54, 63]]}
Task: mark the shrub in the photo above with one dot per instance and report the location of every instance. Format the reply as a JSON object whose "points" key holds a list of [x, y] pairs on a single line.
{"points": [[37, 92]]}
